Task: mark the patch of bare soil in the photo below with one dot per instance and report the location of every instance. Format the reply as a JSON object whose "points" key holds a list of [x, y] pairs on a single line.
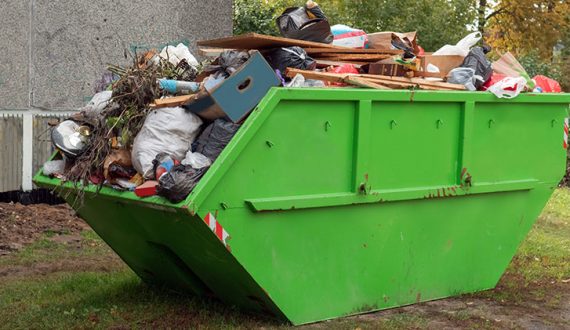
{"points": [[537, 307], [21, 225]]}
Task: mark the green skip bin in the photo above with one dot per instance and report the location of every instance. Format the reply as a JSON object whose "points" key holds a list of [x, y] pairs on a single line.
{"points": [[334, 202]]}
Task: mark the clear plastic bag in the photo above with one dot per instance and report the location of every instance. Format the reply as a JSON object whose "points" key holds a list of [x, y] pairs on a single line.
{"points": [[196, 160], [465, 77], [54, 168], [510, 67], [300, 81]]}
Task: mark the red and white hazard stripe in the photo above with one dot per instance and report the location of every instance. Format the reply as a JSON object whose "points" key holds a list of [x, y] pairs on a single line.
{"points": [[566, 133], [217, 228]]}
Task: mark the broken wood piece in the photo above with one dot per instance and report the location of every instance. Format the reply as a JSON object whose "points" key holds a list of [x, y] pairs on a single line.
{"points": [[261, 41], [174, 101]]}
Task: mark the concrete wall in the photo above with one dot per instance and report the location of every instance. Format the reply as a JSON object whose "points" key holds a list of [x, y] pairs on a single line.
{"points": [[54, 50]]}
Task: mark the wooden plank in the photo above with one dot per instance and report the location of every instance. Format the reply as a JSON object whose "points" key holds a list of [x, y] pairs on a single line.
{"points": [[261, 41], [174, 101], [395, 82], [311, 50], [354, 57], [416, 80], [326, 63], [331, 77], [211, 52], [362, 82]]}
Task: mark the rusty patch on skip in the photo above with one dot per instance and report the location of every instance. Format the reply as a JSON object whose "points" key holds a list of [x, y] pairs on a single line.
{"points": [[465, 178], [418, 297]]}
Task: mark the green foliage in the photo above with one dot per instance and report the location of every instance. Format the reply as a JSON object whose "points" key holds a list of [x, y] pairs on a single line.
{"points": [[441, 22], [258, 15]]}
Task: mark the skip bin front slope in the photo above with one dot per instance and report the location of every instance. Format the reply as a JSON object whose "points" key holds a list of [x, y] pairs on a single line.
{"points": [[336, 202]]}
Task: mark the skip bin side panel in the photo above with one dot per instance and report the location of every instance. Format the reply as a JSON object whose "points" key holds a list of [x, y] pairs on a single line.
{"points": [[168, 246], [322, 263], [369, 239]]}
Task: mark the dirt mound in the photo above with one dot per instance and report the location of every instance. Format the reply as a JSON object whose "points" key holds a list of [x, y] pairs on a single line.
{"points": [[21, 225]]}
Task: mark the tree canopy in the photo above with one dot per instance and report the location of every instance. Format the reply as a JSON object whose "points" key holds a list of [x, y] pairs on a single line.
{"points": [[520, 26]]}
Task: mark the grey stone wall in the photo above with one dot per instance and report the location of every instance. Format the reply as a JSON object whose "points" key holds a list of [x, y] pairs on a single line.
{"points": [[54, 50]]}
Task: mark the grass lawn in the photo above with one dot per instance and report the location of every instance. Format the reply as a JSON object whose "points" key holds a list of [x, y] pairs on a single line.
{"points": [[80, 283]]}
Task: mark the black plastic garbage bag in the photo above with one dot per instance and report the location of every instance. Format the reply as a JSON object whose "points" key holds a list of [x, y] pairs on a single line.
{"points": [[290, 57], [296, 24], [176, 184], [215, 138], [227, 63], [477, 61]]}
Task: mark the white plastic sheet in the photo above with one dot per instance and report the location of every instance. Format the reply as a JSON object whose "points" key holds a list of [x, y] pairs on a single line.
{"points": [[462, 47]]}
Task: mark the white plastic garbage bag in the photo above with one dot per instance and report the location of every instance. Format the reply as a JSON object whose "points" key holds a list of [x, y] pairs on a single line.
{"points": [[463, 46], [169, 130], [196, 160], [508, 87], [176, 54]]}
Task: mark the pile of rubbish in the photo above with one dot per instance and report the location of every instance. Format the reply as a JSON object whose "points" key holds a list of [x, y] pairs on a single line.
{"points": [[157, 126], [154, 127], [311, 53]]}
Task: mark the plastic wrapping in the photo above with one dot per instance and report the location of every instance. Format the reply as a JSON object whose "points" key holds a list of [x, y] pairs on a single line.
{"points": [[547, 85], [346, 36], [215, 138], [300, 81], [169, 130], [290, 57], [227, 63], [196, 160], [509, 87], [98, 102], [179, 182], [462, 47], [54, 168], [510, 67], [466, 77], [176, 54]]}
